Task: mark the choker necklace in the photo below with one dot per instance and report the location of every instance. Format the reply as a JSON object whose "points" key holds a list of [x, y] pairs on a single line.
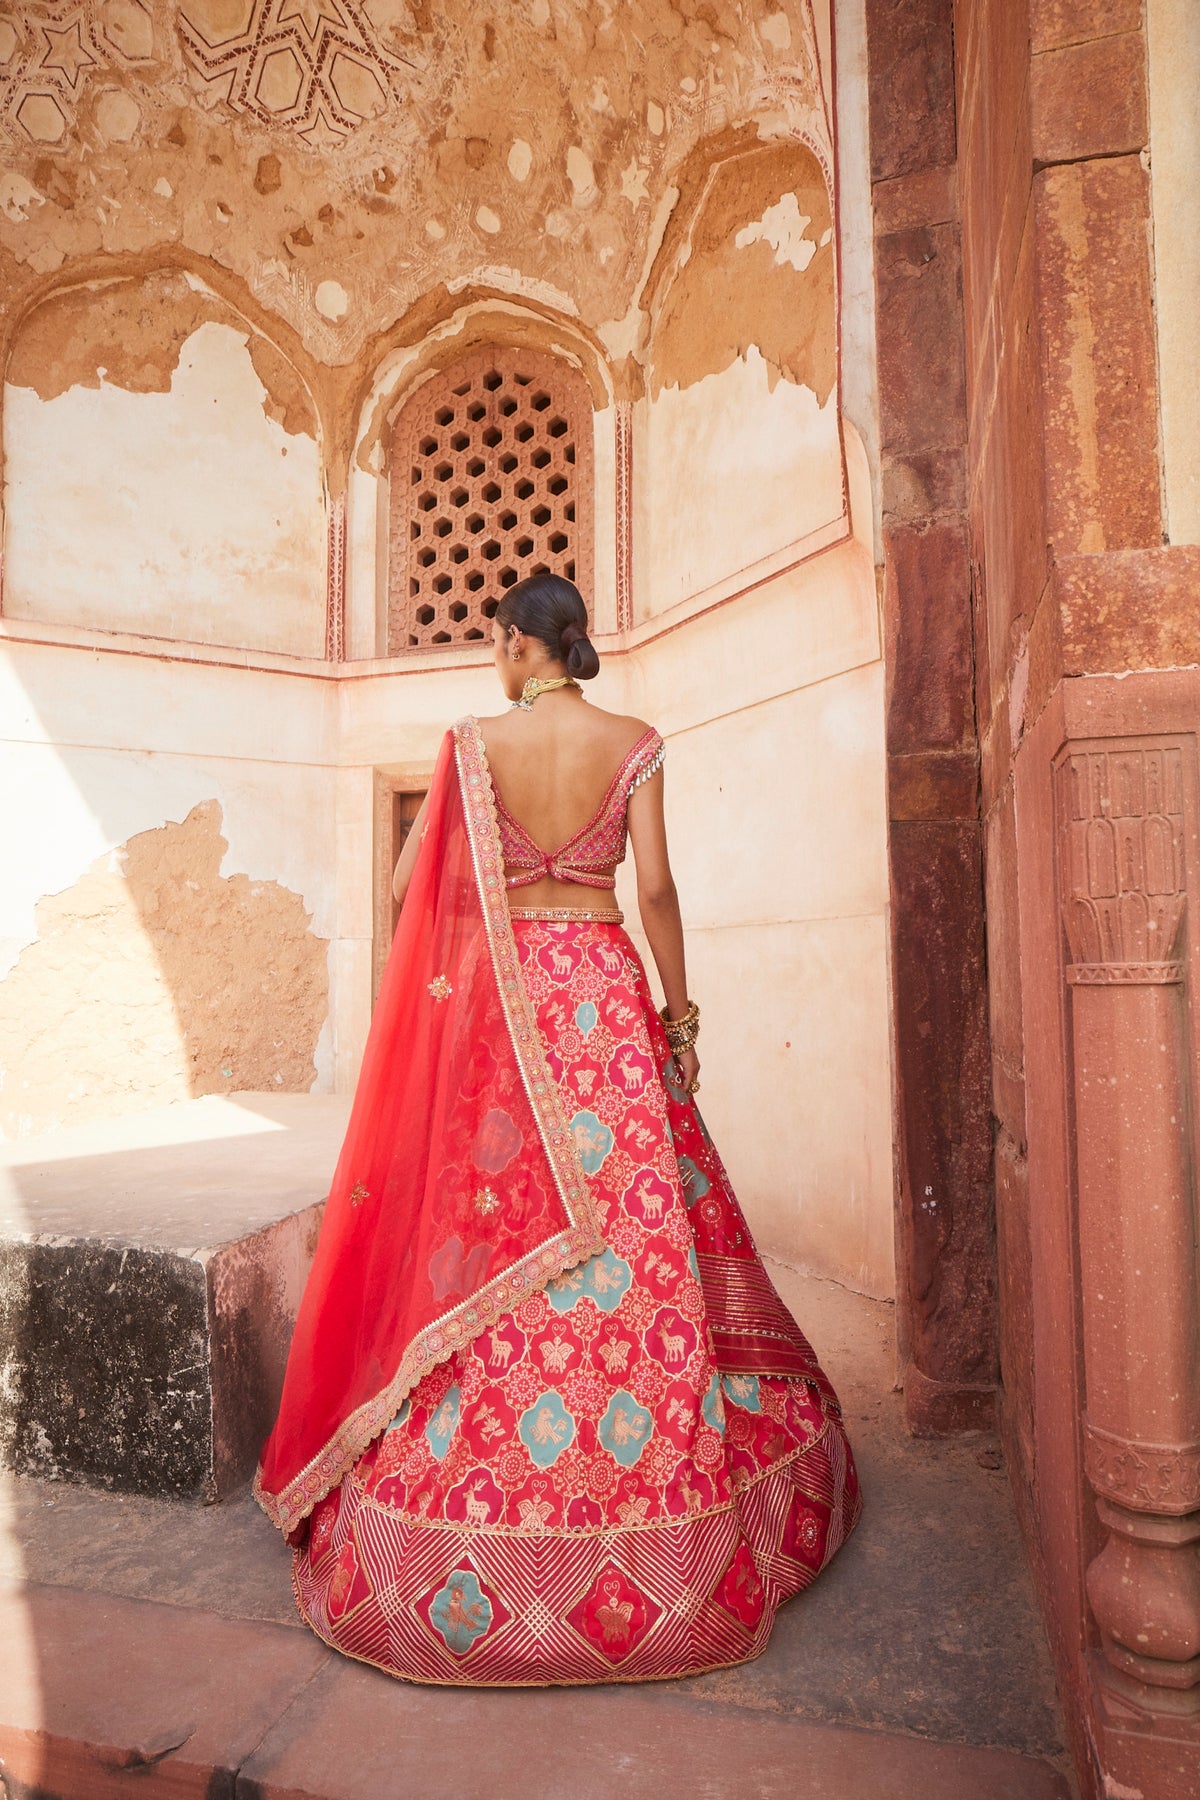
{"points": [[533, 687]]}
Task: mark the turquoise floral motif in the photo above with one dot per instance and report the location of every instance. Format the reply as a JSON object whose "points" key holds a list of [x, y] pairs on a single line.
{"points": [[565, 1290], [444, 1423], [546, 1429], [400, 1418], [586, 1016], [693, 1179], [625, 1429], [602, 1280], [742, 1390], [593, 1140], [713, 1406], [693, 1261], [461, 1612]]}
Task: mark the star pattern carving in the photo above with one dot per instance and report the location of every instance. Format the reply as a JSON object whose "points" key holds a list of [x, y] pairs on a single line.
{"points": [[49, 54], [317, 67]]}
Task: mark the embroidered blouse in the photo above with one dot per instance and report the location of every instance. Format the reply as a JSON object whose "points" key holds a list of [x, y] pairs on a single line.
{"points": [[594, 850]]}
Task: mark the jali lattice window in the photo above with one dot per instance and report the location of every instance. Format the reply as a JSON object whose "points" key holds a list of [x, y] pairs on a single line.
{"points": [[491, 480]]}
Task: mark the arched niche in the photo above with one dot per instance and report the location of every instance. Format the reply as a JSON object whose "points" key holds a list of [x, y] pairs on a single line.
{"points": [[739, 445], [162, 470], [419, 378], [491, 480]]}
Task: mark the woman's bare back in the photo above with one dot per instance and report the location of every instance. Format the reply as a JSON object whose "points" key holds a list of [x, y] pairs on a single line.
{"points": [[553, 766]]}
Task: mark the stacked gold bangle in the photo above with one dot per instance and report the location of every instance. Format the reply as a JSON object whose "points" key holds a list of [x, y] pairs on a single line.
{"points": [[682, 1032]]}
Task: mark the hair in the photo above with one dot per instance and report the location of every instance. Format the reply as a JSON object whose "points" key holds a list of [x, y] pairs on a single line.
{"points": [[551, 609]]}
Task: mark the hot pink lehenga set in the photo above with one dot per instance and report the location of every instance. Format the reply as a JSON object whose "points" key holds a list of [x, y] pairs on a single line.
{"points": [[545, 1419]]}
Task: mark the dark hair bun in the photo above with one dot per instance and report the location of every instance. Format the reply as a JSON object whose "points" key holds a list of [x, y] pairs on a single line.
{"points": [[579, 653], [551, 609]]}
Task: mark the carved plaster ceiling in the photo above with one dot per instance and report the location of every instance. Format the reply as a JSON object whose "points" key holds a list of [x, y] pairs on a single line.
{"points": [[343, 158], [315, 67]]}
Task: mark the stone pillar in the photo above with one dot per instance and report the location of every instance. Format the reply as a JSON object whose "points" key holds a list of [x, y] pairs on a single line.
{"points": [[1121, 812], [946, 1235]]}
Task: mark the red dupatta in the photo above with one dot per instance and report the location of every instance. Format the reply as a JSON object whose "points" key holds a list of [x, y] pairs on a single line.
{"points": [[458, 1189]]}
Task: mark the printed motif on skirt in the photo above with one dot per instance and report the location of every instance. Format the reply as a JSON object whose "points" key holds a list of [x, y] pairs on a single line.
{"points": [[583, 1494]]}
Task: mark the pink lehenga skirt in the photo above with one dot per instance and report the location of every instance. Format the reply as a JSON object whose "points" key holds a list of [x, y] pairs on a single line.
{"points": [[585, 1493]]}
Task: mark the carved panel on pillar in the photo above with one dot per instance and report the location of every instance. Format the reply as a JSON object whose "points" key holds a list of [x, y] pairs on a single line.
{"points": [[1126, 809]]}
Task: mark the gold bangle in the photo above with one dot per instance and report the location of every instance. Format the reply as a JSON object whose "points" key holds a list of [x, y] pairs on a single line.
{"points": [[682, 1032]]}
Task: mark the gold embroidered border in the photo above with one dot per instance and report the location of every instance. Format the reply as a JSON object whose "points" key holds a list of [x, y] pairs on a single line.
{"points": [[611, 915], [455, 1329], [483, 831]]}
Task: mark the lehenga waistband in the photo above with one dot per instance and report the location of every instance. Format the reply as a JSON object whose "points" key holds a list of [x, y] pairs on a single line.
{"points": [[600, 915]]}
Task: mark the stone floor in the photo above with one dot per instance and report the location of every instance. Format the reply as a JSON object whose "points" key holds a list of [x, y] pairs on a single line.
{"points": [[151, 1648]]}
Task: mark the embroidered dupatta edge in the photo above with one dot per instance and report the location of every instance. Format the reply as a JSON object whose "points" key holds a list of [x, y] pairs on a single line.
{"points": [[454, 1329]]}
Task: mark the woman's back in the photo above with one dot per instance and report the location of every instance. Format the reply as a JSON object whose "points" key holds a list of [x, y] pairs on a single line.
{"points": [[552, 768]]}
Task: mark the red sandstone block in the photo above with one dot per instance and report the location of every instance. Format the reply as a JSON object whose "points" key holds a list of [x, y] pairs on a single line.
{"points": [[928, 197], [1133, 609], [927, 596], [1069, 21], [1045, 654], [1016, 1293], [995, 755], [1089, 99], [922, 381], [924, 485], [946, 1408], [934, 784], [1008, 483], [994, 172], [1098, 356], [911, 81], [982, 687], [1004, 944], [102, 1698], [944, 1100]]}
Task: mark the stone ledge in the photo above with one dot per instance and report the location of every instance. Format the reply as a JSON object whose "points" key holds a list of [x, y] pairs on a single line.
{"points": [[150, 1271]]}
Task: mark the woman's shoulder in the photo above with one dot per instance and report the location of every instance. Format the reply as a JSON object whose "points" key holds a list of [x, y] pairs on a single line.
{"points": [[623, 729]]}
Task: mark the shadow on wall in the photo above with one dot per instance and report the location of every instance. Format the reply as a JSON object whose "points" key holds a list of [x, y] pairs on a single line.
{"points": [[156, 978]]}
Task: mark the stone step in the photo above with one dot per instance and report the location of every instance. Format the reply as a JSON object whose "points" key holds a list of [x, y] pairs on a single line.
{"points": [[104, 1698], [150, 1271]]}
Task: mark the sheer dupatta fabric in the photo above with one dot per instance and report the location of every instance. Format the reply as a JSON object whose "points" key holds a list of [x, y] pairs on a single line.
{"points": [[459, 1188]]}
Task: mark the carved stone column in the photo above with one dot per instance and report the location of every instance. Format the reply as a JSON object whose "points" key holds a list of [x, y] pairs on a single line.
{"points": [[1121, 833]]}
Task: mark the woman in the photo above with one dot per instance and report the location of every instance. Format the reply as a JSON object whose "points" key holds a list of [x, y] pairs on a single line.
{"points": [[545, 1418]]}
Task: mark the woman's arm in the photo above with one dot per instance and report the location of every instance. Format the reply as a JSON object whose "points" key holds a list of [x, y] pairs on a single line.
{"points": [[658, 903], [402, 873]]}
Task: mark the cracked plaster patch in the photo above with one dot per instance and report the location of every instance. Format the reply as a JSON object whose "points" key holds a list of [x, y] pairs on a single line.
{"points": [[155, 978]]}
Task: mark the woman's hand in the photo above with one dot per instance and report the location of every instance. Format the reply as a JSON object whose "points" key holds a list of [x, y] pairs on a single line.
{"points": [[688, 1064]]}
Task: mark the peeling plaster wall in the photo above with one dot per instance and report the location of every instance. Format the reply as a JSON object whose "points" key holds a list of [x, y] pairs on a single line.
{"points": [[170, 911], [742, 453], [734, 470], [162, 472], [155, 978]]}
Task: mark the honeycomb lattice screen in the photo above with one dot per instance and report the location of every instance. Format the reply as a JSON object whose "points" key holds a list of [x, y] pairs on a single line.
{"points": [[491, 480]]}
